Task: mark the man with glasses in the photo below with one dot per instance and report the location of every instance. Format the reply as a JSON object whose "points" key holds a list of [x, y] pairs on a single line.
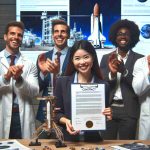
{"points": [[117, 68]]}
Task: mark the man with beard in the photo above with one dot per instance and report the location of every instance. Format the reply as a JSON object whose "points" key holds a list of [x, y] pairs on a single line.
{"points": [[117, 68], [49, 65], [18, 87]]}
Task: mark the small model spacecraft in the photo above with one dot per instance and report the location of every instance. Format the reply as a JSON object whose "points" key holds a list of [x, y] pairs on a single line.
{"points": [[96, 38]]}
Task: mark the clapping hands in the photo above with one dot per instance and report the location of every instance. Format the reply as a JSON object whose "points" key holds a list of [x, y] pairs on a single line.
{"points": [[115, 65], [14, 72], [46, 65]]}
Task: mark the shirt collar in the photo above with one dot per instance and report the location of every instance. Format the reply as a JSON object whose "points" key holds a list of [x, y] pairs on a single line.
{"points": [[76, 78], [63, 51], [127, 54], [7, 54]]}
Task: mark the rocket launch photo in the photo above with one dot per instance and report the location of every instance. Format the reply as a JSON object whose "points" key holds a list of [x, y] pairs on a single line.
{"points": [[95, 17]]}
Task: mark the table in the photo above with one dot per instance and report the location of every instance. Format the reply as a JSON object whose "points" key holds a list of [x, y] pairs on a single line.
{"points": [[78, 145]]}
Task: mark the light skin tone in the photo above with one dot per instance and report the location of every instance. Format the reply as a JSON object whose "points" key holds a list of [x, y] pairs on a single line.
{"points": [[83, 63], [60, 37], [122, 40], [148, 61], [13, 41]]}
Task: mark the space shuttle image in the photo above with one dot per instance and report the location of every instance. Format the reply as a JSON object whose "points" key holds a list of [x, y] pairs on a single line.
{"points": [[96, 38]]}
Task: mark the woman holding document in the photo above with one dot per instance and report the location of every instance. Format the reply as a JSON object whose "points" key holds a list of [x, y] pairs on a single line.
{"points": [[83, 68]]}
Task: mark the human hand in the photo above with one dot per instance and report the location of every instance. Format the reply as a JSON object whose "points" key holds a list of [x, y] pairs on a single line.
{"points": [[14, 72], [148, 61], [108, 113], [70, 128], [113, 64], [46, 65], [42, 63]]}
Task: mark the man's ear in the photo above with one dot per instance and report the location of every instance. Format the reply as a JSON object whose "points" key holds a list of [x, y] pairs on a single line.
{"points": [[5, 37]]}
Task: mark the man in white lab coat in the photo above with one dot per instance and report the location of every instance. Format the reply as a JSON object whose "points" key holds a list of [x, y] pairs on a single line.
{"points": [[141, 85], [18, 86]]}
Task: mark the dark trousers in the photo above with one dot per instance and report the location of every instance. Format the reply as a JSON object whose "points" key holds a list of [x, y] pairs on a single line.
{"points": [[121, 126], [15, 128]]}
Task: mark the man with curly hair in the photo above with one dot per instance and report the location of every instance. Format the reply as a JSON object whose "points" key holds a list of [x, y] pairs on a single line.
{"points": [[117, 68]]}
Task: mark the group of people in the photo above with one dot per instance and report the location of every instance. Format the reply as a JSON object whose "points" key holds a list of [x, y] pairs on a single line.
{"points": [[124, 74]]}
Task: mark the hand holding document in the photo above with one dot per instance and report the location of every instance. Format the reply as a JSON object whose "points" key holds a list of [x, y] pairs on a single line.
{"points": [[88, 101]]}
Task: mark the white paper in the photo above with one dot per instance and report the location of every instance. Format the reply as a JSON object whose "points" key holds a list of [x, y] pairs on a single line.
{"points": [[12, 145], [119, 148], [88, 102], [48, 114]]}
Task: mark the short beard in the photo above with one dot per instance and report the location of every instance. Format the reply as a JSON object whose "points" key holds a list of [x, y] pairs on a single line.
{"points": [[126, 48]]}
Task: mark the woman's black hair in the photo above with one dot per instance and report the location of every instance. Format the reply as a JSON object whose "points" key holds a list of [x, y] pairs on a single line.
{"points": [[88, 47]]}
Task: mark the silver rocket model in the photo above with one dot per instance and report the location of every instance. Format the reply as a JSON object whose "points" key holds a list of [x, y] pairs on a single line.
{"points": [[96, 37]]}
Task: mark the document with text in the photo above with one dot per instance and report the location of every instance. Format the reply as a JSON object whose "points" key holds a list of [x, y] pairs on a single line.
{"points": [[88, 102]]}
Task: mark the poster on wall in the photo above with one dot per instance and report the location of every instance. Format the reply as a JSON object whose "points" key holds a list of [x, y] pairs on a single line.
{"points": [[139, 12], [80, 15], [37, 16], [88, 20]]}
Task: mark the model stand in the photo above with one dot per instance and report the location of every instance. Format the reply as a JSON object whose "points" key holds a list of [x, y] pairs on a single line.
{"points": [[49, 126]]}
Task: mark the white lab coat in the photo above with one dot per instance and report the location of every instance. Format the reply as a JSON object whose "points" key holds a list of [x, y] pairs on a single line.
{"points": [[141, 85], [25, 94]]}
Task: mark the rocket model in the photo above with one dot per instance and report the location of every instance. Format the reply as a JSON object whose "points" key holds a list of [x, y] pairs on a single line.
{"points": [[96, 37]]}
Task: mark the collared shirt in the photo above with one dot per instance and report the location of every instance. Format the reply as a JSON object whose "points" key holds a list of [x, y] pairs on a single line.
{"points": [[62, 57], [118, 94], [7, 55], [76, 78]]}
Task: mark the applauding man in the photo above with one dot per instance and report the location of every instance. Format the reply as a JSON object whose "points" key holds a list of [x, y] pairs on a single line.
{"points": [[117, 68], [53, 63], [141, 85], [18, 86]]}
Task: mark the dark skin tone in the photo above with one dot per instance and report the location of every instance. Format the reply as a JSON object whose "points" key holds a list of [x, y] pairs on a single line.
{"points": [[123, 41]]}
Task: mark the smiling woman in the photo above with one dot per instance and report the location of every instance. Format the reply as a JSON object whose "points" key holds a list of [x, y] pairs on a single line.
{"points": [[83, 63], [83, 68]]}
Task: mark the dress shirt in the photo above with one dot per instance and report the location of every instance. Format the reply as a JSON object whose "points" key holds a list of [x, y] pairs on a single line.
{"points": [[7, 55], [62, 58], [118, 94]]}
